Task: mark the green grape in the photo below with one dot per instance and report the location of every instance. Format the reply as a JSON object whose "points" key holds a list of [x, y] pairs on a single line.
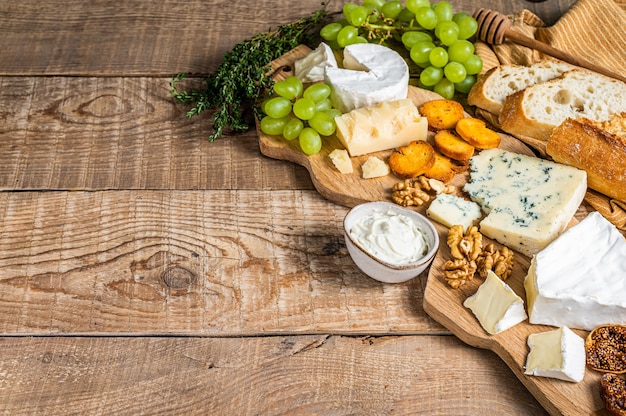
{"points": [[274, 126], [455, 72], [323, 123], [333, 112], [459, 16], [347, 35], [460, 50], [438, 57], [292, 129], [360, 39], [391, 9], [431, 75], [330, 31], [357, 16], [423, 65], [310, 141], [467, 27], [445, 88], [406, 15], [376, 3], [424, 86], [296, 83], [466, 85], [410, 38], [290, 87], [473, 65], [277, 107], [447, 32], [347, 9], [444, 11], [420, 52], [426, 18], [413, 5], [317, 92], [323, 105], [304, 108]]}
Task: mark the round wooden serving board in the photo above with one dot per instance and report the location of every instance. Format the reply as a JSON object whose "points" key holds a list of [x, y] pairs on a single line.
{"points": [[441, 302]]}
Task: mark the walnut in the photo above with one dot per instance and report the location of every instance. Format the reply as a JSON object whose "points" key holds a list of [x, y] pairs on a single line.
{"points": [[498, 261], [468, 245], [458, 272], [431, 184], [409, 193], [474, 242]]}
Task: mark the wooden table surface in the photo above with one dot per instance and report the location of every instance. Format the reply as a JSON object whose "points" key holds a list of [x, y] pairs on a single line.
{"points": [[145, 270]]}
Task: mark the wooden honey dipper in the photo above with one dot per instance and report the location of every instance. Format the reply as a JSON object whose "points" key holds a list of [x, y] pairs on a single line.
{"points": [[494, 28]]}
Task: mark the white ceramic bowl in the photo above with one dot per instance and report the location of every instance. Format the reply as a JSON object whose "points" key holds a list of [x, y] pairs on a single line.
{"points": [[380, 270]]}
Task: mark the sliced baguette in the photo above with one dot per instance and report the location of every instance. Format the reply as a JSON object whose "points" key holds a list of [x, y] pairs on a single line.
{"points": [[599, 148], [538, 110], [501, 81]]}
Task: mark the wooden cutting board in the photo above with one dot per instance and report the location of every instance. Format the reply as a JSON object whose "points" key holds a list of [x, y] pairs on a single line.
{"points": [[441, 302]]}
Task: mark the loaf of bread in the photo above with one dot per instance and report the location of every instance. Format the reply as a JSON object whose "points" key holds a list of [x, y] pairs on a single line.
{"points": [[539, 109], [501, 81], [599, 148]]}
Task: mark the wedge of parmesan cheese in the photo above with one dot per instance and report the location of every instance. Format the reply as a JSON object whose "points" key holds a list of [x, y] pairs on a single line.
{"points": [[385, 126], [341, 160], [374, 168]]}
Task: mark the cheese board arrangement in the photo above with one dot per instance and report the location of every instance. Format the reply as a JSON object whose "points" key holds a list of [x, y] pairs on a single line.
{"points": [[444, 303]]}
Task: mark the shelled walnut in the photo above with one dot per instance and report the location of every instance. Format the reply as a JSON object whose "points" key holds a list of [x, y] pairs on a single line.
{"points": [[498, 261], [417, 191], [458, 271]]}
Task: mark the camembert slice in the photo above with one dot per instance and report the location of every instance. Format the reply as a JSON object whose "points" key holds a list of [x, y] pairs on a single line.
{"points": [[528, 201], [579, 280], [559, 353], [496, 306]]}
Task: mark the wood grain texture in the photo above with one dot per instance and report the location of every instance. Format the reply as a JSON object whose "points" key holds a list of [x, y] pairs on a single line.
{"points": [[295, 375], [143, 37], [193, 262], [89, 133]]}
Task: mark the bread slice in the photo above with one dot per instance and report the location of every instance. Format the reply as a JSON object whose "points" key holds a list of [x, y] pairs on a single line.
{"points": [[599, 148], [501, 81], [539, 109]]}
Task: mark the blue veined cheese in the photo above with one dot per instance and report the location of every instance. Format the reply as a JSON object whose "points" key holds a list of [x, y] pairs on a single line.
{"points": [[452, 210], [311, 68], [370, 74], [528, 201], [496, 306], [579, 280], [559, 353]]}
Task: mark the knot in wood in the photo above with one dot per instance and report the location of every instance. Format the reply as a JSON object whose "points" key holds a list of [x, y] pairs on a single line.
{"points": [[177, 277]]}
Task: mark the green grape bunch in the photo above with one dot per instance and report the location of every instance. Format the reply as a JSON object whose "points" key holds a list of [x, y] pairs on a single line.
{"points": [[437, 38], [295, 112]]}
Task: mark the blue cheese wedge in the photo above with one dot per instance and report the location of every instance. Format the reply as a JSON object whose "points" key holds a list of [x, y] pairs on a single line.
{"points": [[559, 353], [384, 126], [452, 210], [370, 74], [496, 306], [528, 201], [579, 280]]}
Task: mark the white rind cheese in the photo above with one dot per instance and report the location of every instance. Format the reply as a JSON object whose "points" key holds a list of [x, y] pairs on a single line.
{"points": [[374, 168], [312, 67], [528, 201], [559, 353], [452, 210], [371, 74], [385, 126], [496, 306], [579, 280]]}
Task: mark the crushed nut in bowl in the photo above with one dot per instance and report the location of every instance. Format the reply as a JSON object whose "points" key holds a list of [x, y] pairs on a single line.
{"points": [[390, 243]]}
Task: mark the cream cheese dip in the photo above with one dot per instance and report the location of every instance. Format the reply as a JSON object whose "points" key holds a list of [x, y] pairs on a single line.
{"points": [[391, 237]]}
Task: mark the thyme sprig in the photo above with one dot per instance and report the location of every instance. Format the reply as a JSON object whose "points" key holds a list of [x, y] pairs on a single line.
{"points": [[244, 74]]}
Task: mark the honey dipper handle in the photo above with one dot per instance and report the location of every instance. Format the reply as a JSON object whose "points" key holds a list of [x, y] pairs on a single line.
{"points": [[559, 54]]}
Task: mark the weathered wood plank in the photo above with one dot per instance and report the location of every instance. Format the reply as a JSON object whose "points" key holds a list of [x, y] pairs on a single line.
{"points": [[142, 37], [192, 262], [122, 133], [299, 375]]}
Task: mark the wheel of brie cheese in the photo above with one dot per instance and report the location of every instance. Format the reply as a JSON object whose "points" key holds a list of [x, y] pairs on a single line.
{"points": [[370, 74]]}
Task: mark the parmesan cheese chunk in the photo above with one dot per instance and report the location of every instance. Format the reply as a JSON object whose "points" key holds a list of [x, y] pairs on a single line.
{"points": [[341, 160], [374, 168]]}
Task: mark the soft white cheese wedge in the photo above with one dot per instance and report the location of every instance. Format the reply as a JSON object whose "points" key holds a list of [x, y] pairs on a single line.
{"points": [[385, 126], [311, 68], [579, 280], [496, 306], [371, 74], [559, 353], [452, 210], [528, 201]]}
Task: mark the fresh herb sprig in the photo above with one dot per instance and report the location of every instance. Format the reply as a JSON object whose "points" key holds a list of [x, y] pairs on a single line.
{"points": [[244, 74]]}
